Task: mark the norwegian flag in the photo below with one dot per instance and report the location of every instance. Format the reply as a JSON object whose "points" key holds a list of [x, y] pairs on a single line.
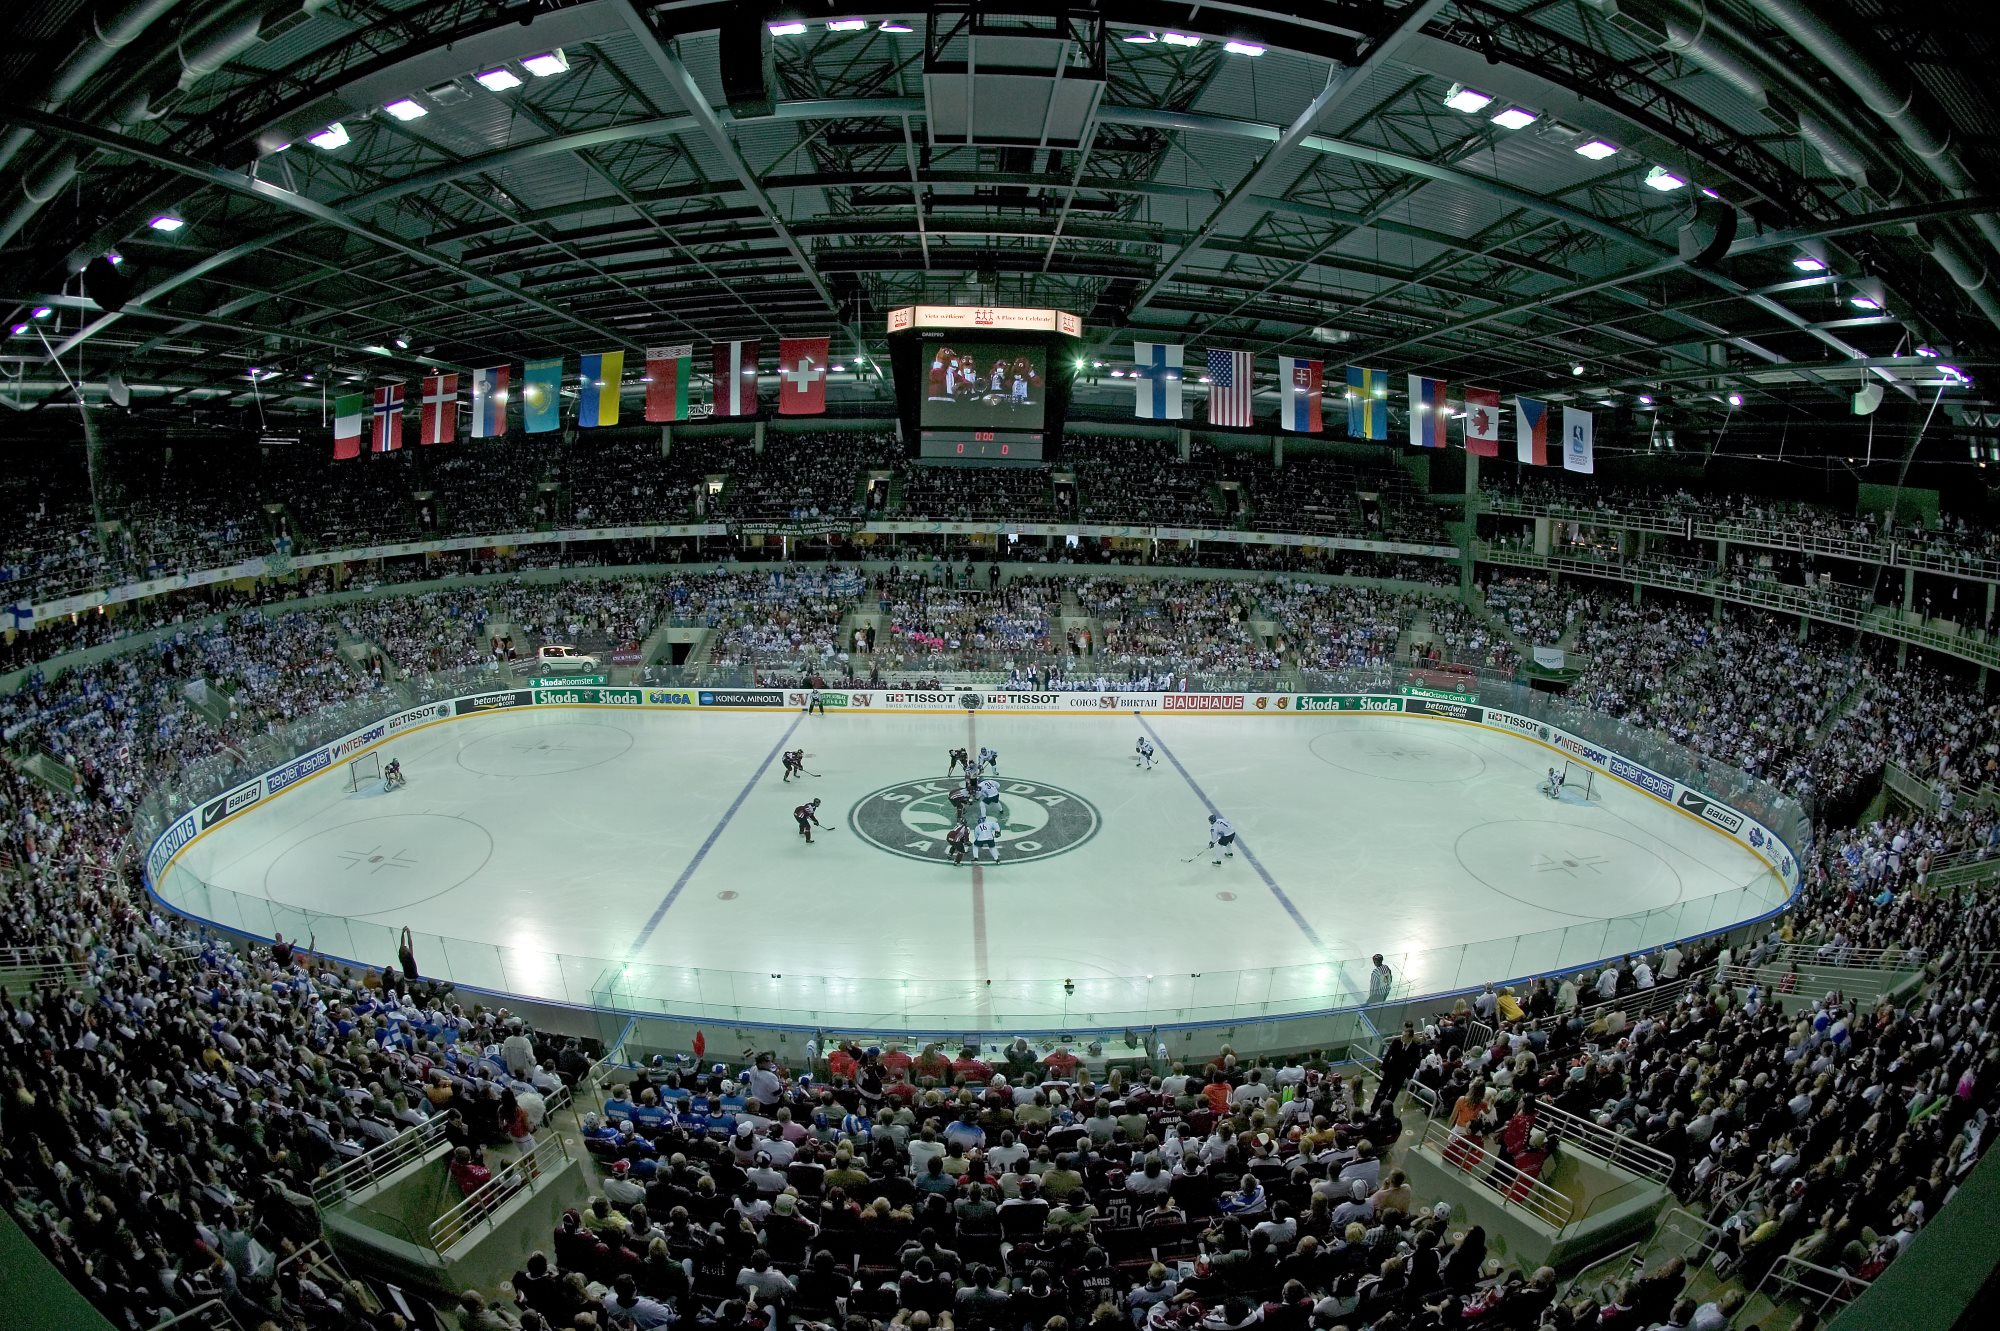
{"points": [[1229, 388], [388, 436], [438, 423]]}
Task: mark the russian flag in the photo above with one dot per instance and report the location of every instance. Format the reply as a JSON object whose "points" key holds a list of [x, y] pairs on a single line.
{"points": [[1531, 431], [1427, 412], [489, 403], [1299, 389]]}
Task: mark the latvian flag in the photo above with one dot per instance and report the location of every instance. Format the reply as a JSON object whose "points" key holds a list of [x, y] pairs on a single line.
{"points": [[668, 370], [388, 436], [438, 423], [1427, 412], [489, 403], [1531, 431], [348, 409], [735, 384], [1482, 422], [1299, 393]]}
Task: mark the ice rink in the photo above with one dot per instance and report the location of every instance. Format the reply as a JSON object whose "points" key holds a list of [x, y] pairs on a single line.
{"points": [[650, 860]]}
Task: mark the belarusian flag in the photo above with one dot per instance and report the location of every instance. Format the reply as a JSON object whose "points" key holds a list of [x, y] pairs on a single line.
{"points": [[668, 370], [348, 411]]}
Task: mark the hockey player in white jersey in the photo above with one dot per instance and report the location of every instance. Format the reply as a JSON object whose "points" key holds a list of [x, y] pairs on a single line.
{"points": [[986, 837], [989, 760], [1145, 751], [1221, 837], [1552, 786], [989, 793]]}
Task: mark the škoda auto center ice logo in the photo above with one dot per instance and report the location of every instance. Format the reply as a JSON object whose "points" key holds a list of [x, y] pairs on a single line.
{"points": [[1036, 819]]}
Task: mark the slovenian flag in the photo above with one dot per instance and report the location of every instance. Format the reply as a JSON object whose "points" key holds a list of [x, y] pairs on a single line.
{"points": [[489, 402], [348, 409], [1531, 431], [541, 395], [603, 375], [1299, 387], [1427, 412], [1367, 403], [668, 370]]}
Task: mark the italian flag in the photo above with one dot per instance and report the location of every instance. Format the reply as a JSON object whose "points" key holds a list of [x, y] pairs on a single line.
{"points": [[349, 409]]}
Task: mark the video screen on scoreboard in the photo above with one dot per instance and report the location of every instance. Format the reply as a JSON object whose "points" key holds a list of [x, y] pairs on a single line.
{"points": [[983, 385]]}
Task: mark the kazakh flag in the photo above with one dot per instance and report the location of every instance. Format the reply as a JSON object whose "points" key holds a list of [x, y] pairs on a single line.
{"points": [[602, 375], [541, 396]]}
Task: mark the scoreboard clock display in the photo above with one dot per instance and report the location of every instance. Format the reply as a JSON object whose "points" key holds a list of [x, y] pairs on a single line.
{"points": [[984, 447]]}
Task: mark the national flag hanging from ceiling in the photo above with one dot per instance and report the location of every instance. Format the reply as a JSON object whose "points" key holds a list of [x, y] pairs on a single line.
{"points": [[802, 363], [1156, 368], [1428, 412], [603, 374], [1299, 388], [1531, 431], [668, 370], [541, 395], [734, 387], [1482, 422], [348, 409], [388, 433], [1367, 403], [489, 402], [437, 423], [1579, 449], [1229, 388]]}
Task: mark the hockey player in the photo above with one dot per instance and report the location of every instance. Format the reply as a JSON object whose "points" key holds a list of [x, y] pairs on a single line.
{"points": [[808, 818], [1552, 785], [1145, 752], [1221, 837], [989, 793], [392, 775], [990, 759], [986, 837], [960, 796], [954, 760], [957, 842], [795, 764], [815, 703]]}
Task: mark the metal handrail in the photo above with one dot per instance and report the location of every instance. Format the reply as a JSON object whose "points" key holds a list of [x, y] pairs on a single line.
{"points": [[1850, 958], [1539, 1200], [356, 1173], [1639, 1003], [216, 1312], [481, 1204], [1790, 1274], [1708, 1237], [1632, 1156]]}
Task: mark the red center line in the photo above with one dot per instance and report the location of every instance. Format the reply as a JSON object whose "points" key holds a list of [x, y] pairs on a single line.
{"points": [[980, 972]]}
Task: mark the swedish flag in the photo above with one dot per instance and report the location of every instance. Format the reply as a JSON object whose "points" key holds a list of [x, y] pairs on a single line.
{"points": [[1367, 403]]}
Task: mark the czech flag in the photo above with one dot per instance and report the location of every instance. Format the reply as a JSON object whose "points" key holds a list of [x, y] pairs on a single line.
{"points": [[1299, 388], [1531, 431], [602, 376]]}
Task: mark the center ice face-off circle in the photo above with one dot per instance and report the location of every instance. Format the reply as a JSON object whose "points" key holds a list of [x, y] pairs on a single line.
{"points": [[1036, 819]]}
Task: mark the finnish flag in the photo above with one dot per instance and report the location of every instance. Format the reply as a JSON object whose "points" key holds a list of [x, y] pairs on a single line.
{"points": [[1156, 371]]}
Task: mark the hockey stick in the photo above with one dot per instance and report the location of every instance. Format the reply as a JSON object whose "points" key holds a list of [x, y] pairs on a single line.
{"points": [[1197, 855]]}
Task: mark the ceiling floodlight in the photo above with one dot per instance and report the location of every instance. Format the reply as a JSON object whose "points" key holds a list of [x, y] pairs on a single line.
{"points": [[1806, 263], [1927, 352], [333, 136], [1954, 374], [1515, 117], [1646, 399], [42, 311], [1142, 38], [1663, 180], [1735, 399], [547, 64], [19, 329], [1180, 39], [894, 25], [166, 222], [405, 109], [788, 28], [1243, 48], [113, 257], [497, 80], [1596, 150], [846, 24], [1468, 100], [1577, 369]]}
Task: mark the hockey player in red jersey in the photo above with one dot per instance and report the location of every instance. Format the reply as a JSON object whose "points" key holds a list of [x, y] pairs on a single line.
{"points": [[958, 841], [795, 764], [808, 818]]}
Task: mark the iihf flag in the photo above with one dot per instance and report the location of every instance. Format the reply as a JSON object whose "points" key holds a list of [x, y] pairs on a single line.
{"points": [[1531, 431], [1427, 412], [1156, 374], [1299, 388], [1578, 448]]}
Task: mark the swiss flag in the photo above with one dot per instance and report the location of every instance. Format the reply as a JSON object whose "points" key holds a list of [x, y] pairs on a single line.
{"points": [[802, 365], [439, 422], [1482, 422]]}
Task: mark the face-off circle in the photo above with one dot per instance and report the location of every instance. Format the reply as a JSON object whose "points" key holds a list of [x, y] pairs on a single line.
{"points": [[1036, 819]]}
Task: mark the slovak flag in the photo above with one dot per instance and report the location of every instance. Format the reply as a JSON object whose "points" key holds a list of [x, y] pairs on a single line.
{"points": [[489, 402], [438, 424], [1482, 422], [1427, 412], [1299, 389], [1531, 431], [802, 363], [388, 435]]}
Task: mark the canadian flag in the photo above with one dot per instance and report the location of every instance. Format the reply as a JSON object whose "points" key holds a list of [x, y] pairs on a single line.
{"points": [[802, 365], [1482, 422]]}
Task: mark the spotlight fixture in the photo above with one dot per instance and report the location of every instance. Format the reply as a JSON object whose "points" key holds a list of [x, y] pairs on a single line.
{"points": [[402, 343], [166, 222], [846, 24], [1468, 100], [1811, 258], [113, 257], [1577, 369], [894, 25], [1954, 375], [1863, 301], [1180, 39], [787, 28], [405, 109], [42, 311], [499, 79], [1661, 179], [1243, 48], [1735, 399], [1869, 294], [333, 136], [1596, 149], [1515, 117], [1141, 38], [20, 329], [1927, 352], [547, 64], [1646, 399]]}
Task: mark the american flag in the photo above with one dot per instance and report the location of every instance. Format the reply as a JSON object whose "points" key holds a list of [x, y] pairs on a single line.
{"points": [[1229, 388]]}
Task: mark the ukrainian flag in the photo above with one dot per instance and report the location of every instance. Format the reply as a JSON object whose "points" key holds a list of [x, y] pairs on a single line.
{"points": [[602, 376], [1367, 403]]}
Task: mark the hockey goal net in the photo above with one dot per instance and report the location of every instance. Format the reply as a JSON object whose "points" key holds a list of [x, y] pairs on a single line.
{"points": [[368, 767], [1580, 782]]}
